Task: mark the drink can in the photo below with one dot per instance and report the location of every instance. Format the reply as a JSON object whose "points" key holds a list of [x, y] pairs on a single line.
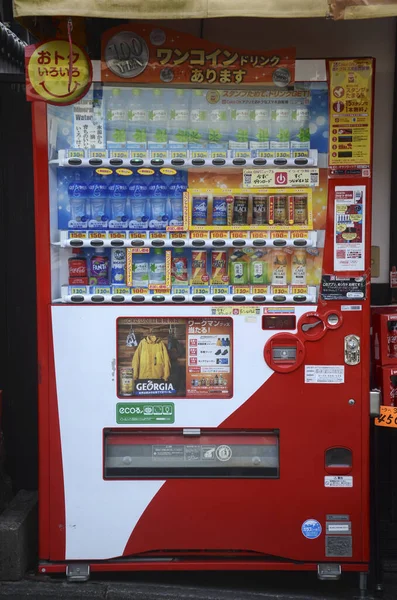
{"points": [[240, 210], [280, 210], [199, 210], [300, 210], [179, 269], [219, 267], [260, 210], [219, 210], [199, 267], [118, 266], [126, 381]]}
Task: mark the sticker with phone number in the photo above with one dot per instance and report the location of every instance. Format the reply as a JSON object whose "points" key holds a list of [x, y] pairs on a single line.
{"points": [[387, 417]]}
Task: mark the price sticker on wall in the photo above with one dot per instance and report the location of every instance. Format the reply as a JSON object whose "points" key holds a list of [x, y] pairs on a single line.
{"points": [[387, 417]]}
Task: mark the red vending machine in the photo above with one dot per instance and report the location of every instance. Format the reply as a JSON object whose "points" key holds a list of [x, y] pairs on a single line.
{"points": [[203, 249]]}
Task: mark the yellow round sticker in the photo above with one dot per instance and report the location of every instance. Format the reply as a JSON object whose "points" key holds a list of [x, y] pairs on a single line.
{"points": [[167, 171], [104, 171], [145, 171], [57, 75], [124, 172]]}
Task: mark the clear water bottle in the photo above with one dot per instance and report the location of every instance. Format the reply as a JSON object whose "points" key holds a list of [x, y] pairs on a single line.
{"points": [[140, 270], [198, 130], [300, 127], [175, 194], [240, 127], [77, 192], [157, 267], [116, 120], [97, 194], [280, 134], [137, 118], [138, 195], [158, 118], [158, 193], [117, 192], [260, 127], [178, 128], [218, 131]]}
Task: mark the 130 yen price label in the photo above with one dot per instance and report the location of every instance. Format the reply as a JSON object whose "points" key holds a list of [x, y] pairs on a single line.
{"points": [[387, 417]]}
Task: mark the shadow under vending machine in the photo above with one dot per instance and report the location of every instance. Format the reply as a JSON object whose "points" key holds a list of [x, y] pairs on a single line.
{"points": [[203, 248]]}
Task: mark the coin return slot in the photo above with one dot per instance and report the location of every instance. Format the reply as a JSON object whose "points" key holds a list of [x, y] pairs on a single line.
{"points": [[284, 354]]}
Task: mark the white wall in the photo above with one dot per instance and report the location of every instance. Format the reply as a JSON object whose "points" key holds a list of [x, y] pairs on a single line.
{"points": [[322, 39]]}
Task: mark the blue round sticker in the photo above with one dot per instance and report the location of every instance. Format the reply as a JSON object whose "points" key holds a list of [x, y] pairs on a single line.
{"points": [[311, 529]]}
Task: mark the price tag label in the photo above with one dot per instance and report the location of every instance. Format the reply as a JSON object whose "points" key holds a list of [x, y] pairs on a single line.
{"points": [[97, 234], [239, 235], [78, 234], [117, 235], [220, 234], [199, 235], [387, 417]]}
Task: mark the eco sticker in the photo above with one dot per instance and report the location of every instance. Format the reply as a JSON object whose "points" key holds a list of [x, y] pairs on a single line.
{"points": [[311, 529], [167, 171], [144, 412], [124, 172], [104, 171], [145, 171]]}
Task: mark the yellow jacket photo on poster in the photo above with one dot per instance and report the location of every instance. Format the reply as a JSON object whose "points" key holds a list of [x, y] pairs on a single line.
{"points": [[151, 359]]}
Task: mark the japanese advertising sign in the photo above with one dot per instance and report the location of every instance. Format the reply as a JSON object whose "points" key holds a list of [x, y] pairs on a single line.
{"points": [[57, 72], [166, 357], [349, 228], [350, 112], [145, 53], [257, 178]]}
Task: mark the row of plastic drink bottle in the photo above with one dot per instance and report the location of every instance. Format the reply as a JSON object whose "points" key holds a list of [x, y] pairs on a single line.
{"points": [[180, 116], [105, 202]]}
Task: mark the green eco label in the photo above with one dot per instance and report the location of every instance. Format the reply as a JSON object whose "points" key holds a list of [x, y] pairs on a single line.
{"points": [[145, 412]]}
